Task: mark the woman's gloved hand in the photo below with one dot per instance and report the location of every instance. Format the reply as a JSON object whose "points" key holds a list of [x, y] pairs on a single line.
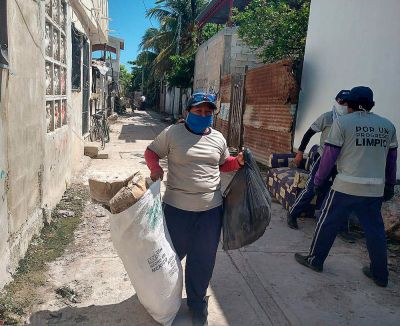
{"points": [[157, 174], [240, 158]]}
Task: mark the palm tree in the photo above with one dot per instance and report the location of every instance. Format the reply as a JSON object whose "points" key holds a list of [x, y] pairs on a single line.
{"points": [[176, 17]]}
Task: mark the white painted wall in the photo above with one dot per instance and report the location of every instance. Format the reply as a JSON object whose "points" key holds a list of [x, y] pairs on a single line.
{"points": [[350, 43]]}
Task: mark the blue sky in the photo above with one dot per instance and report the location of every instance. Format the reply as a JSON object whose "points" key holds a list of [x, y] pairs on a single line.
{"points": [[128, 22]]}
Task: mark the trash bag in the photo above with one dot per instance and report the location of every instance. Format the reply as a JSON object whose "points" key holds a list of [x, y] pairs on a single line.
{"points": [[247, 206], [142, 241]]}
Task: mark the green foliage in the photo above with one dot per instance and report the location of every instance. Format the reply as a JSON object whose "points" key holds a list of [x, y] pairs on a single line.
{"points": [[208, 31], [276, 28], [159, 56], [125, 79], [182, 71]]}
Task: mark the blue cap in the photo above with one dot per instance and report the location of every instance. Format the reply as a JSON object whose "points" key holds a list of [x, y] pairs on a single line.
{"points": [[360, 94], [343, 93], [200, 98]]}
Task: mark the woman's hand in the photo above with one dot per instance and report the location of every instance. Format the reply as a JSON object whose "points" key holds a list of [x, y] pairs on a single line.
{"points": [[298, 159], [157, 174], [240, 158]]}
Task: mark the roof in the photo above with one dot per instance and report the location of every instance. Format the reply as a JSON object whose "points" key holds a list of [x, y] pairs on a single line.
{"points": [[218, 11]]}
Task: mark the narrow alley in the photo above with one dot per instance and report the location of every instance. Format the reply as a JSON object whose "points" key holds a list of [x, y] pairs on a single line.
{"points": [[260, 284]]}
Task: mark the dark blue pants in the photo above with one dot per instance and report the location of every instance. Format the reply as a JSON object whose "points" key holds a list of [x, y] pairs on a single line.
{"points": [[332, 216], [306, 196], [196, 236]]}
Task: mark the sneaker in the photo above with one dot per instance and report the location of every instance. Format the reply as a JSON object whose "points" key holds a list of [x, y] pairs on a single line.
{"points": [[199, 318], [292, 222], [367, 272], [303, 260]]}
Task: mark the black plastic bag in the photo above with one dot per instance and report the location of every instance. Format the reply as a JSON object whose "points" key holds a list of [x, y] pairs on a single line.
{"points": [[247, 206]]}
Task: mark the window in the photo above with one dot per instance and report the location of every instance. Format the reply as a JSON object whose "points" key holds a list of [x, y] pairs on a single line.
{"points": [[3, 35], [56, 67], [76, 58]]}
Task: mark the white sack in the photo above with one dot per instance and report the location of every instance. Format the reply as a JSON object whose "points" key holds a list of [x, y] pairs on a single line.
{"points": [[142, 241]]}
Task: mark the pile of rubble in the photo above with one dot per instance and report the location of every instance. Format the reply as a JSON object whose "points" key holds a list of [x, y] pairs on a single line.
{"points": [[118, 194], [391, 215]]}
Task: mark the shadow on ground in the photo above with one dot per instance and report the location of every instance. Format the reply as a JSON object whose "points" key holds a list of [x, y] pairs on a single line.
{"points": [[126, 313], [142, 127]]}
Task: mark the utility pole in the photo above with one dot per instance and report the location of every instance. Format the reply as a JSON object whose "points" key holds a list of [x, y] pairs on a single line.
{"points": [[142, 79]]}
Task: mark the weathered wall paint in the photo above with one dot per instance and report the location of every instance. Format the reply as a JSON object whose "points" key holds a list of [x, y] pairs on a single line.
{"points": [[35, 166]]}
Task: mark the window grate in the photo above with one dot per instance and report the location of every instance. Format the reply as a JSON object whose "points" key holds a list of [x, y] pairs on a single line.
{"points": [[55, 64], [3, 35]]}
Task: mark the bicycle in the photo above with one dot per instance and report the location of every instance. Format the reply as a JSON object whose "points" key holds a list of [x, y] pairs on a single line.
{"points": [[99, 129]]}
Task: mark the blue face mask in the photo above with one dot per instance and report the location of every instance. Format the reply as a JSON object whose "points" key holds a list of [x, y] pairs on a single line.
{"points": [[197, 123]]}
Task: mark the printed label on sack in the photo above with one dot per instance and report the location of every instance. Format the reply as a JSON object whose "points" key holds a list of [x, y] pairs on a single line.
{"points": [[159, 259], [154, 214]]}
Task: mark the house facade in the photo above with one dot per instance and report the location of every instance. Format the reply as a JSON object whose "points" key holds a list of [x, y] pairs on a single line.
{"points": [[44, 110]]}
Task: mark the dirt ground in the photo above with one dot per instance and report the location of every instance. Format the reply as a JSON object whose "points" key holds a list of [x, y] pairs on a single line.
{"points": [[258, 285]]}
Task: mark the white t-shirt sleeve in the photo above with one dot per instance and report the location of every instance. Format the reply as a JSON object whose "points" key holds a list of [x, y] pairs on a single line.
{"points": [[318, 124], [160, 144], [224, 153], [393, 141], [336, 135]]}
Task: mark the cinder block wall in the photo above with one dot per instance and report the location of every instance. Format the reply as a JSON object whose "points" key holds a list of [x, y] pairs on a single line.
{"points": [[223, 54], [209, 60], [241, 55]]}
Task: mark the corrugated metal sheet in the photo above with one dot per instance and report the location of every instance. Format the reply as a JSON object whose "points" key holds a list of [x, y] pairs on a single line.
{"points": [[271, 91]]}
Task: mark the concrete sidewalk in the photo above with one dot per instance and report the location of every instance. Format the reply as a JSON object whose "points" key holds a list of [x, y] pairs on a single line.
{"points": [[258, 285]]}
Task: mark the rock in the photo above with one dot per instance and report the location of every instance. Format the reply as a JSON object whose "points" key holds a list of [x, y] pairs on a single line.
{"points": [[66, 213], [129, 194], [102, 189], [113, 118], [68, 293], [91, 149]]}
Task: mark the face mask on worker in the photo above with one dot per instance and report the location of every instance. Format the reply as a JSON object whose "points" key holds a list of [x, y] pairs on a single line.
{"points": [[339, 110], [197, 123]]}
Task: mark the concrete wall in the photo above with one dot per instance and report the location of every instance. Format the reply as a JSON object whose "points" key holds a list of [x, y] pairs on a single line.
{"points": [[95, 15], [26, 126], [35, 165], [209, 61], [223, 54], [172, 101], [350, 43], [4, 248]]}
